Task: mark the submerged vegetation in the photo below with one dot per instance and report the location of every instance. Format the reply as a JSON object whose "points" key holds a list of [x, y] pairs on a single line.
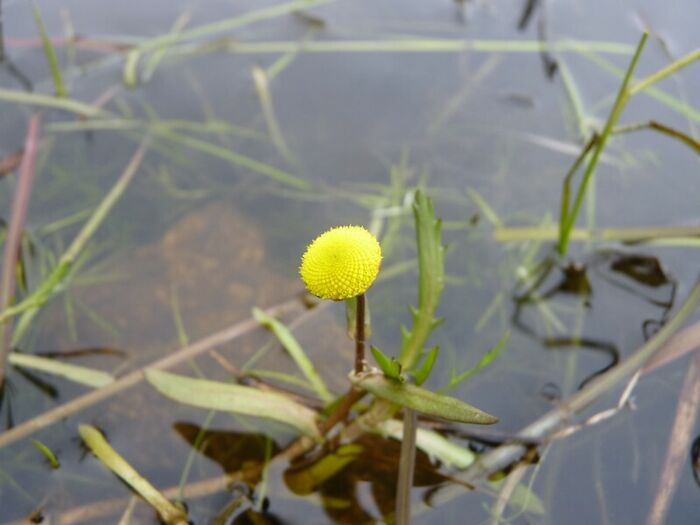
{"points": [[98, 271]]}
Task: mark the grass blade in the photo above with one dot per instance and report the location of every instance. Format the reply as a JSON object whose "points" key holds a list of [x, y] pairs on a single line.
{"points": [[485, 361], [236, 159], [36, 99], [79, 374], [296, 352], [50, 53], [110, 458], [568, 220], [47, 453], [433, 444], [55, 281], [262, 88]]}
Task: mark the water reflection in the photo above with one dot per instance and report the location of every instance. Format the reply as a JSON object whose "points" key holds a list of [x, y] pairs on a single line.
{"points": [[552, 283]]}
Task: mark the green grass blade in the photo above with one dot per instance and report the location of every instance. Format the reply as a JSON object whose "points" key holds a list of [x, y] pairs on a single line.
{"points": [[296, 352], [55, 281], [47, 453], [36, 99], [110, 458], [485, 361], [229, 24], [620, 102], [430, 45], [234, 158], [50, 53], [280, 376], [78, 374], [433, 444]]}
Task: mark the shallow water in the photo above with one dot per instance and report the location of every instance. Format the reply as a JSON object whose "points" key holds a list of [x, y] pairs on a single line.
{"points": [[198, 240]]}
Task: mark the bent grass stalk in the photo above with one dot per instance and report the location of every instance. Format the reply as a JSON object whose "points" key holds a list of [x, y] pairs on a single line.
{"points": [[597, 143], [568, 217]]}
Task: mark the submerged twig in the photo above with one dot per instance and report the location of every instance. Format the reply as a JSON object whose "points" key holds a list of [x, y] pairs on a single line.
{"points": [[501, 457], [135, 377], [683, 425], [20, 204]]}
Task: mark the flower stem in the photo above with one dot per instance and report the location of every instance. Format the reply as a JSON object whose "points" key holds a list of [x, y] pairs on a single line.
{"points": [[360, 334]]}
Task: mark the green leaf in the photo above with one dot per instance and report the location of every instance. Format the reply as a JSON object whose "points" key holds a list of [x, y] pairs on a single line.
{"points": [[96, 442], [431, 277], [296, 352], [421, 400], [47, 453], [237, 399], [79, 374], [485, 361], [435, 445], [428, 362], [390, 366], [306, 479]]}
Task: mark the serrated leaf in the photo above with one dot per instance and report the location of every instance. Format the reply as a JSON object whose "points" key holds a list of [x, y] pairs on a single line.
{"points": [[431, 278], [96, 442], [427, 366], [422, 400], [238, 399], [79, 374], [389, 366]]}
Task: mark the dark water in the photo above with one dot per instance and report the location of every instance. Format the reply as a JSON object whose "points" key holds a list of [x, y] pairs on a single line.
{"points": [[201, 237]]}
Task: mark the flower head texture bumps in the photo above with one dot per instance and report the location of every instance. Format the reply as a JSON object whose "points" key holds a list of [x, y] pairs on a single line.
{"points": [[341, 263]]}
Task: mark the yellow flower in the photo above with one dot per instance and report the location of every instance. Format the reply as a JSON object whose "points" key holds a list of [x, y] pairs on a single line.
{"points": [[341, 263]]}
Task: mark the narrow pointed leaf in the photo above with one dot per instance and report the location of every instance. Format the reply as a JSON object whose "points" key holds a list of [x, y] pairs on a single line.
{"points": [[422, 400], [427, 366], [47, 453], [485, 361], [389, 366], [238, 399]]}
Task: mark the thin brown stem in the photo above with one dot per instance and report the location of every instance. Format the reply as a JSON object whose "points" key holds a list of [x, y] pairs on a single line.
{"points": [[341, 412], [360, 334]]}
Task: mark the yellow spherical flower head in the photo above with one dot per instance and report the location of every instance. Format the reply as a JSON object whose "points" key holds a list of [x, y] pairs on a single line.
{"points": [[341, 263]]}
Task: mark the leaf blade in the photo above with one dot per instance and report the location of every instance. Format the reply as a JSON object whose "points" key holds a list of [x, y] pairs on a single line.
{"points": [[422, 400], [296, 352], [79, 374], [238, 399]]}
